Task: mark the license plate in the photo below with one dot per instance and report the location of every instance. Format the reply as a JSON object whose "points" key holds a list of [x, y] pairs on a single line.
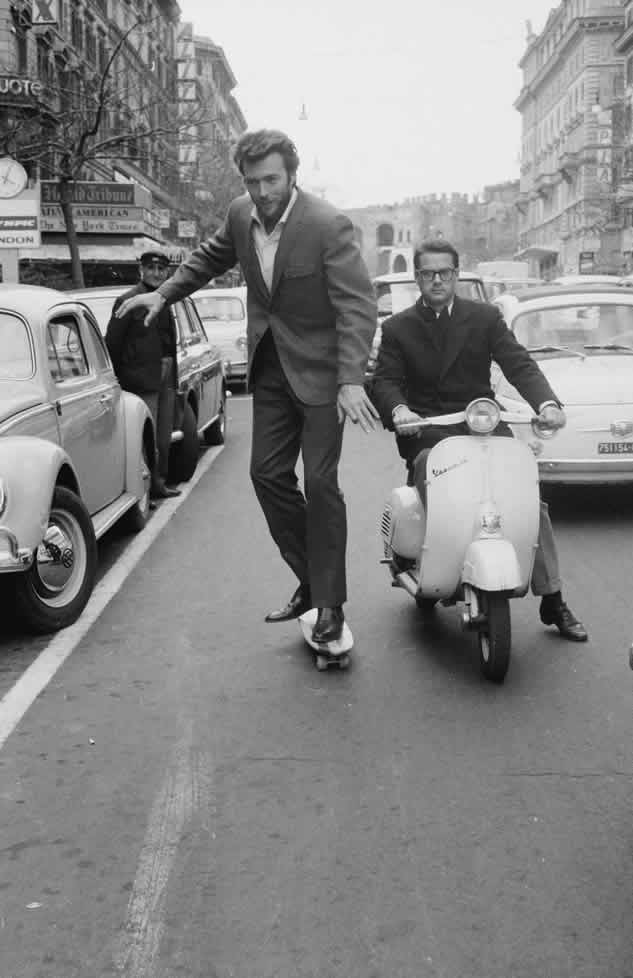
{"points": [[615, 448]]}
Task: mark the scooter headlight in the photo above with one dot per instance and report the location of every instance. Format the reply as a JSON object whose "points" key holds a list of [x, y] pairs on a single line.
{"points": [[482, 416]]}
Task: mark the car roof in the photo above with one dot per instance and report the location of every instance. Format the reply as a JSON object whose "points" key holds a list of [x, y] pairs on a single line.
{"points": [[396, 277], [100, 290], [22, 298], [546, 291], [239, 290]]}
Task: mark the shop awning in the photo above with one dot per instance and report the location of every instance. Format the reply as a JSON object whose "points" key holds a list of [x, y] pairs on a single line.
{"points": [[105, 253]]}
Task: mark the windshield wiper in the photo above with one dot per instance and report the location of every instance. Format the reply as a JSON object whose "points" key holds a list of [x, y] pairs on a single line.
{"points": [[609, 346], [556, 349]]}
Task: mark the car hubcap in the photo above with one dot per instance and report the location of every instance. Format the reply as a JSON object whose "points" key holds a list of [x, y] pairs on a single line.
{"points": [[61, 560]]}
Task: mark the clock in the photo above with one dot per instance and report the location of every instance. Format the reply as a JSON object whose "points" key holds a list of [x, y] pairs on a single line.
{"points": [[13, 177]]}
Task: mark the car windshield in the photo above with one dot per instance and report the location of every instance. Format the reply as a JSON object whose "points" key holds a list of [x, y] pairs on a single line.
{"points": [[16, 358], [219, 307], [577, 327], [393, 297]]}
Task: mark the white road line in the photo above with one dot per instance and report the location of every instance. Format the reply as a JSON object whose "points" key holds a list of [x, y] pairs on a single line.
{"points": [[184, 790], [16, 702]]}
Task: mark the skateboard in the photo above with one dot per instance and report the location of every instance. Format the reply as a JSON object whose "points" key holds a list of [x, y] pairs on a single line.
{"points": [[332, 653]]}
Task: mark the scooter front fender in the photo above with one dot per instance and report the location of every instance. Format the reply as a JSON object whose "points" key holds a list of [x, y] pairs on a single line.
{"points": [[492, 565]]}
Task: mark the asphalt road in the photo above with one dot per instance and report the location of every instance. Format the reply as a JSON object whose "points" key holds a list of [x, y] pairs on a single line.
{"points": [[190, 798]]}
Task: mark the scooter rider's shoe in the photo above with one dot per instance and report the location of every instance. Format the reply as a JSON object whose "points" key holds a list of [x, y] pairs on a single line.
{"points": [[298, 605], [329, 625], [555, 612]]}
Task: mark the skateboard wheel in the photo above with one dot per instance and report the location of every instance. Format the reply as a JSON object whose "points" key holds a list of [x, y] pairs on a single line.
{"points": [[321, 663]]}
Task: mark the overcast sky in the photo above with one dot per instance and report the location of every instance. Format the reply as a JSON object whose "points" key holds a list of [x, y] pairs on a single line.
{"points": [[404, 97]]}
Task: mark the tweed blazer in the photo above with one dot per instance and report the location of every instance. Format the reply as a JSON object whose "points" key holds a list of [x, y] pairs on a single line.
{"points": [[320, 308]]}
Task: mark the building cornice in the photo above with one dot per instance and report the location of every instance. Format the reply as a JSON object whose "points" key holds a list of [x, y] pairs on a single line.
{"points": [[577, 27]]}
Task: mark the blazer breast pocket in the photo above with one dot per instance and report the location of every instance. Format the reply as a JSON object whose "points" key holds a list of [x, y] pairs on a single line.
{"points": [[299, 271]]}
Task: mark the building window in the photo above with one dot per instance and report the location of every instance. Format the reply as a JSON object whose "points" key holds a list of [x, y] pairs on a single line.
{"points": [[21, 50], [76, 29]]}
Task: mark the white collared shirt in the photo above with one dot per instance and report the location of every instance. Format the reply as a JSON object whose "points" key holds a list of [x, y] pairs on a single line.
{"points": [[437, 312], [266, 245]]}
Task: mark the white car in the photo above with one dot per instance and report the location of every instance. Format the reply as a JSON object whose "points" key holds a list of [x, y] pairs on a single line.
{"points": [[75, 454], [223, 313], [582, 338]]}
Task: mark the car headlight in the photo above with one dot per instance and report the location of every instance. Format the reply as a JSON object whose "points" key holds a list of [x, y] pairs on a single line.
{"points": [[482, 416], [3, 497]]}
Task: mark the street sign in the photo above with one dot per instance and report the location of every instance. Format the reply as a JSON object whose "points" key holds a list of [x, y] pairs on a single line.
{"points": [[162, 217], [187, 229]]}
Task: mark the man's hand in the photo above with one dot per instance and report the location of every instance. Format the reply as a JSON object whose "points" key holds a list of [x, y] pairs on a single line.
{"points": [[152, 301], [407, 422], [353, 403], [551, 417]]}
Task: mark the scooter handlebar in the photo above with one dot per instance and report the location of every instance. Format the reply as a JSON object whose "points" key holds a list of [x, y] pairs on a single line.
{"points": [[411, 427]]}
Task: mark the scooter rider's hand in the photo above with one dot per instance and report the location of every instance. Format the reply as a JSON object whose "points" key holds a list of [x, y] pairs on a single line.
{"points": [[407, 422], [152, 301], [551, 416]]}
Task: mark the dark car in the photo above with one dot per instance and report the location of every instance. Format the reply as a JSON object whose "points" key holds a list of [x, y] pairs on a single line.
{"points": [[202, 393]]}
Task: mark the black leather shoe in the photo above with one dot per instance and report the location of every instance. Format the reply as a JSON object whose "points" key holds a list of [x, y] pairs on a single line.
{"points": [[564, 619], [298, 605], [163, 492], [329, 625]]}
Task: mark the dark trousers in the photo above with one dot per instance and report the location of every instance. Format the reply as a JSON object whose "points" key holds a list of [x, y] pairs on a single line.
{"points": [[161, 405], [545, 572], [310, 530]]}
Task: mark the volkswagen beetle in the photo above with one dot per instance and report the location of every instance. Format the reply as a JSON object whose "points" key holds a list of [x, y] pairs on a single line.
{"points": [[75, 453]]}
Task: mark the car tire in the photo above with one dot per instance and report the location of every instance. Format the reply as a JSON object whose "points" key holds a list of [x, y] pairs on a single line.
{"points": [[183, 457], [215, 434], [56, 588], [136, 517]]}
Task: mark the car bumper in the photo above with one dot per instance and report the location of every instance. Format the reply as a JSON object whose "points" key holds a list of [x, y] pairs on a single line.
{"points": [[585, 471], [235, 370], [12, 556]]}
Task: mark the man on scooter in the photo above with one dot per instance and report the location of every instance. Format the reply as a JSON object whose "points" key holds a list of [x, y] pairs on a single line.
{"points": [[435, 357]]}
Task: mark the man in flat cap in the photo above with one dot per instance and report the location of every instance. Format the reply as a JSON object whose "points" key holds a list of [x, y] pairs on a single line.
{"points": [[144, 360]]}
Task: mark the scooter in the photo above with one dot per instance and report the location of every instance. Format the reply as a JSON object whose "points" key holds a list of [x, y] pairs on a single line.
{"points": [[474, 542]]}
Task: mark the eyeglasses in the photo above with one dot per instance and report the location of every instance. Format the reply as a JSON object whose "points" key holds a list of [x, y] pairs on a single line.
{"points": [[445, 274], [161, 265]]}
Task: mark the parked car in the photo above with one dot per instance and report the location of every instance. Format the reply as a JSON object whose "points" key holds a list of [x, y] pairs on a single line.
{"points": [[75, 453], [223, 313], [399, 290], [582, 338], [497, 286], [597, 278], [201, 401]]}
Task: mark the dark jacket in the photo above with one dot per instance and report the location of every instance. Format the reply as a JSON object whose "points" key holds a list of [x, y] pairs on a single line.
{"points": [[434, 374], [321, 308], [136, 349]]}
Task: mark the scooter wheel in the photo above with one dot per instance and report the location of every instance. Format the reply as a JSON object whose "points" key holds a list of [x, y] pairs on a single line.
{"points": [[495, 637]]}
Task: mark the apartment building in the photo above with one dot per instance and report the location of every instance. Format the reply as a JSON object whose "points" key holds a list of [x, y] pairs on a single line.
{"points": [[571, 104]]}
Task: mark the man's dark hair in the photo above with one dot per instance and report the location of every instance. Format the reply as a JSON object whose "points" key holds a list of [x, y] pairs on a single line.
{"points": [[435, 246], [255, 146]]}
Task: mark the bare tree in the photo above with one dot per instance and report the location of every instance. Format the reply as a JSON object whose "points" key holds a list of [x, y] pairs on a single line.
{"points": [[103, 115]]}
